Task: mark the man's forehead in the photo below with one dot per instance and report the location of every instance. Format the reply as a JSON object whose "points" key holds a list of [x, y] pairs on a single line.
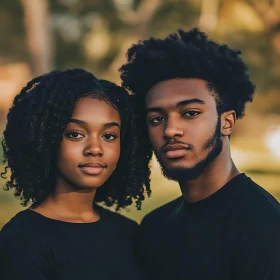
{"points": [[174, 92], [173, 87]]}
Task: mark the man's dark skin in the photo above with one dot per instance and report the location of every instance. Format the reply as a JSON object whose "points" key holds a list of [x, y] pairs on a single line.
{"points": [[192, 125], [189, 91], [208, 238]]}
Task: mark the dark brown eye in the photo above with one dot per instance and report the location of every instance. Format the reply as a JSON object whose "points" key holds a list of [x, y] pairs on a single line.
{"points": [[156, 120], [110, 136], [191, 113], [74, 135]]}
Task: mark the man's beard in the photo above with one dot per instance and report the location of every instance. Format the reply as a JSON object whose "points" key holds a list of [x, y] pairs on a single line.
{"points": [[215, 143]]}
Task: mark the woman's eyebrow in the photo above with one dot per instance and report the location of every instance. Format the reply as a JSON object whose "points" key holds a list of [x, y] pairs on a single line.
{"points": [[79, 122], [107, 125], [84, 124]]}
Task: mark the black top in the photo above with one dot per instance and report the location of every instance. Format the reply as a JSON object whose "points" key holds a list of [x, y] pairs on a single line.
{"points": [[34, 247], [233, 234]]}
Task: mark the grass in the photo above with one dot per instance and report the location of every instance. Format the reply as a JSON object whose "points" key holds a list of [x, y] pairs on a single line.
{"points": [[256, 163], [163, 191]]}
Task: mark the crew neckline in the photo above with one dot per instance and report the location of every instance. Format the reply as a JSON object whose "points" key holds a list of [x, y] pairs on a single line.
{"points": [[221, 196], [42, 217]]}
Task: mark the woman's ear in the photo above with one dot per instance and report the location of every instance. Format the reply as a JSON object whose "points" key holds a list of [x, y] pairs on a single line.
{"points": [[228, 119]]}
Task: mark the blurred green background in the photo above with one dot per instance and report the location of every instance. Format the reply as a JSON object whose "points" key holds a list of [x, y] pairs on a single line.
{"points": [[40, 35]]}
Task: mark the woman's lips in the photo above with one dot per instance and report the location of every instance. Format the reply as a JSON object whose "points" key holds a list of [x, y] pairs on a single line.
{"points": [[92, 168]]}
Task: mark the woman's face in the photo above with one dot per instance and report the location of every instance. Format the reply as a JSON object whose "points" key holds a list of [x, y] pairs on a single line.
{"points": [[90, 148]]}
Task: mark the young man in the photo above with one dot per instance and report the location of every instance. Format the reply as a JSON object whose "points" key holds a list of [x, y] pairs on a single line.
{"points": [[189, 91]]}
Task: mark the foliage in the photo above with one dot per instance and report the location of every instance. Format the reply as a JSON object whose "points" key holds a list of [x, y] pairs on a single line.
{"points": [[95, 34]]}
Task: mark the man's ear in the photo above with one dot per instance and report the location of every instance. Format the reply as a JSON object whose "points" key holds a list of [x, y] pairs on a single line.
{"points": [[228, 119]]}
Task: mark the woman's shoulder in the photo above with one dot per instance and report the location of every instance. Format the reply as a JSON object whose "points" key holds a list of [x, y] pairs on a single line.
{"points": [[18, 235], [22, 251], [20, 222], [25, 227]]}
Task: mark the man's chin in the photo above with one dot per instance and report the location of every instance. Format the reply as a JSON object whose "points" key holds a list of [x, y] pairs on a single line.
{"points": [[180, 174]]}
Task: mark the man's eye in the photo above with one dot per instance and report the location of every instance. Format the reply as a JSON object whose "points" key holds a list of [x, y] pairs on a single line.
{"points": [[74, 135], [156, 120], [191, 113], [110, 136]]}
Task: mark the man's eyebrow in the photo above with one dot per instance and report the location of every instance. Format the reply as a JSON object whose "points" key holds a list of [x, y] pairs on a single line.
{"points": [[154, 109], [83, 123], [180, 103], [189, 101]]}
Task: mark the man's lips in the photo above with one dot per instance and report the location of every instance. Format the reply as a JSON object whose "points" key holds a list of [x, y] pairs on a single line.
{"points": [[175, 150], [92, 168]]}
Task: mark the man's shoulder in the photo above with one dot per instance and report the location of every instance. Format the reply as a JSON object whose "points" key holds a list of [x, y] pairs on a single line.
{"points": [[261, 201], [164, 212], [254, 212]]}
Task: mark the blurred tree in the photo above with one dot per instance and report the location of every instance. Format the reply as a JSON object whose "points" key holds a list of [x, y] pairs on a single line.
{"points": [[96, 34], [12, 46], [38, 35], [254, 27], [141, 17], [208, 19]]}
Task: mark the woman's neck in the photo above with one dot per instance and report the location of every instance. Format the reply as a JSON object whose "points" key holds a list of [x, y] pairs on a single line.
{"points": [[69, 204]]}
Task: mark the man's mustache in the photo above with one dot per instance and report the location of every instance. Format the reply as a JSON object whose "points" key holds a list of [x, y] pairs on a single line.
{"points": [[174, 141]]}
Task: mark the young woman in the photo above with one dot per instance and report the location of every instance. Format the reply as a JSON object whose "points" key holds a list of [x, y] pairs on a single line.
{"points": [[69, 143]]}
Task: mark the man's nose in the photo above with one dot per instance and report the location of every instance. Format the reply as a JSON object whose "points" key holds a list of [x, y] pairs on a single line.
{"points": [[172, 129]]}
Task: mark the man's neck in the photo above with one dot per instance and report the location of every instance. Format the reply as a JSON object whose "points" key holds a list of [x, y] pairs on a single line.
{"points": [[214, 177]]}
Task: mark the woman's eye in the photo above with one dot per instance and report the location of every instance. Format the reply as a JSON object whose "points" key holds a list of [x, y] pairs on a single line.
{"points": [[74, 135], [156, 120], [191, 113], [110, 136]]}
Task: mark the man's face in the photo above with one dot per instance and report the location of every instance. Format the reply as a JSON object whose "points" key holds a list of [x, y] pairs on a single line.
{"points": [[184, 127]]}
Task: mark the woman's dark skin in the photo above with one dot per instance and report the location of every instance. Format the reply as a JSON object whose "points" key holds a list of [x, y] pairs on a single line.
{"points": [[88, 155]]}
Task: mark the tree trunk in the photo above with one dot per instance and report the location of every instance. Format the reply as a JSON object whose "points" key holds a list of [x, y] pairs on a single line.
{"points": [[38, 35], [208, 19]]}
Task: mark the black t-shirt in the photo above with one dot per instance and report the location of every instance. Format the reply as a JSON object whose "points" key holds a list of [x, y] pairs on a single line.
{"points": [[34, 247], [233, 234]]}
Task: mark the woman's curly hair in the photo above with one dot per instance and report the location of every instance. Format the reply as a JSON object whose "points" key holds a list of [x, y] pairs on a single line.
{"points": [[35, 128], [186, 55]]}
